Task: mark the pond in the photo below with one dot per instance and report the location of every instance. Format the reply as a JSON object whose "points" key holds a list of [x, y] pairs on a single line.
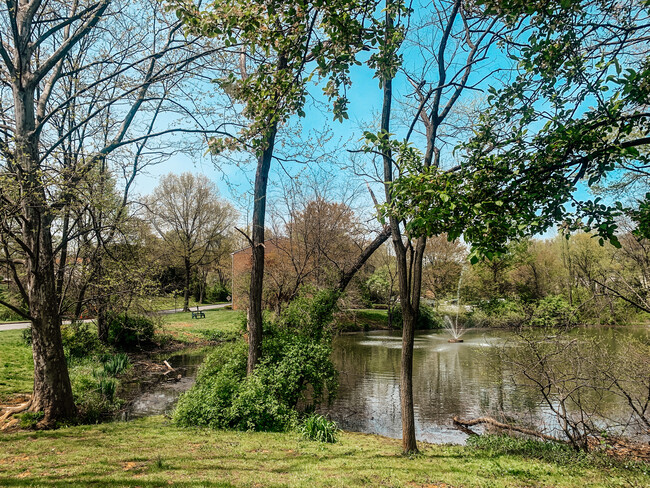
{"points": [[466, 379], [161, 394]]}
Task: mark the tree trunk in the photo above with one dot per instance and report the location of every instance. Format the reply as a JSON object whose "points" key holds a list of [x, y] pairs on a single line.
{"points": [[186, 291], [257, 270], [409, 443], [409, 314], [52, 389]]}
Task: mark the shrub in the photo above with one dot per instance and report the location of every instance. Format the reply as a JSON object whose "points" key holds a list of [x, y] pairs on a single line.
{"points": [[552, 311], [94, 392], [217, 293], [79, 340], [28, 420], [318, 428], [129, 330], [296, 358], [26, 336], [498, 313]]}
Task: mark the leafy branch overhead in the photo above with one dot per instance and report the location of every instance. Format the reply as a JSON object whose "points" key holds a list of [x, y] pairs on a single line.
{"points": [[282, 46], [575, 114]]}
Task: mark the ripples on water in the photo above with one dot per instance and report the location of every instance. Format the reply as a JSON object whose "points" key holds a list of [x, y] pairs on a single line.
{"points": [[462, 379]]}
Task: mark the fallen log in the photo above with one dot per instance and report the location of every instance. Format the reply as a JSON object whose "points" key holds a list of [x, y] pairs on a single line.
{"points": [[465, 425]]}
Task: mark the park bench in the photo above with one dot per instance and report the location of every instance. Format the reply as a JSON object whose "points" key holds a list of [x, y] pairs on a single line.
{"points": [[198, 315]]}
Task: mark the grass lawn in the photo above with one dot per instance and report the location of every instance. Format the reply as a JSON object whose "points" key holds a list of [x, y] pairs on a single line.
{"points": [[362, 319], [16, 365], [184, 328], [153, 452], [168, 303]]}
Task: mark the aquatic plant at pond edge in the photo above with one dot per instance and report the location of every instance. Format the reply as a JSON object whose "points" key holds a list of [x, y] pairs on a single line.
{"points": [[317, 428]]}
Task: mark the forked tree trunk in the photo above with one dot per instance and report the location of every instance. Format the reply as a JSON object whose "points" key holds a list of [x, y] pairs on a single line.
{"points": [[408, 275]]}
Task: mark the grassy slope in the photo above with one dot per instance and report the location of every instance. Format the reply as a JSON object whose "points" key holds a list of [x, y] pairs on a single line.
{"points": [[17, 368], [362, 319], [153, 452], [184, 328], [16, 365]]}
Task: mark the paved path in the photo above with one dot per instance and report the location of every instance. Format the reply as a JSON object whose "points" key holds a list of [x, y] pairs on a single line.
{"points": [[26, 325]]}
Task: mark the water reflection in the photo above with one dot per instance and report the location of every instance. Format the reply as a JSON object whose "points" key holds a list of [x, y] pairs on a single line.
{"points": [[162, 397], [450, 379]]}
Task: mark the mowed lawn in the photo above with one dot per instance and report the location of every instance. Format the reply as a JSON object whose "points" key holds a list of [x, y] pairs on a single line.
{"points": [[154, 452], [16, 365], [182, 327]]}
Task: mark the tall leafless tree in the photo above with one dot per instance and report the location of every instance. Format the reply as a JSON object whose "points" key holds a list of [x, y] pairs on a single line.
{"points": [[80, 82]]}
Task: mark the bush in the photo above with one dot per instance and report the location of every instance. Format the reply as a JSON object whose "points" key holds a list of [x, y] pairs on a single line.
{"points": [[28, 420], [296, 359], [318, 428], [552, 311], [94, 391], [129, 330], [217, 293], [79, 340], [26, 336], [498, 313]]}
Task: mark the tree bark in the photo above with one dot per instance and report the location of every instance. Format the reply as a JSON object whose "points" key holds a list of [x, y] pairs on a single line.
{"points": [[186, 291], [409, 314], [52, 389], [349, 273], [257, 270]]}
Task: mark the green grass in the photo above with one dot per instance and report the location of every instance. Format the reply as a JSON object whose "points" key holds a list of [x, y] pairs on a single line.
{"points": [[168, 303], [362, 319], [16, 365], [184, 328], [152, 452]]}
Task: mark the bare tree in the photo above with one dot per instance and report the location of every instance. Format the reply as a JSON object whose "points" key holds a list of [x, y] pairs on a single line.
{"points": [[80, 82], [450, 44], [189, 216]]}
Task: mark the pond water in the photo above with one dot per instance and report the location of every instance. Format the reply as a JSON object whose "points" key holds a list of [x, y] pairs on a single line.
{"points": [[160, 397], [465, 379]]}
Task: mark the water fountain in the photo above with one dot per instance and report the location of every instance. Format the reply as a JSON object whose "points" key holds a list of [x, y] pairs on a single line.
{"points": [[452, 327]]}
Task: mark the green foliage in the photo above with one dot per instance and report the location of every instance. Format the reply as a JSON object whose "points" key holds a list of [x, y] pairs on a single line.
{"points": [[550, 311], [95, 382], [216, 335], [217, 293], [26, 336], [576, 111], [317, 428], [296, 359], [126, 330], [7, 315], [555, 452], [553, 311], [116, 364], [79, 340], [498, 313], [28, 420]]}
